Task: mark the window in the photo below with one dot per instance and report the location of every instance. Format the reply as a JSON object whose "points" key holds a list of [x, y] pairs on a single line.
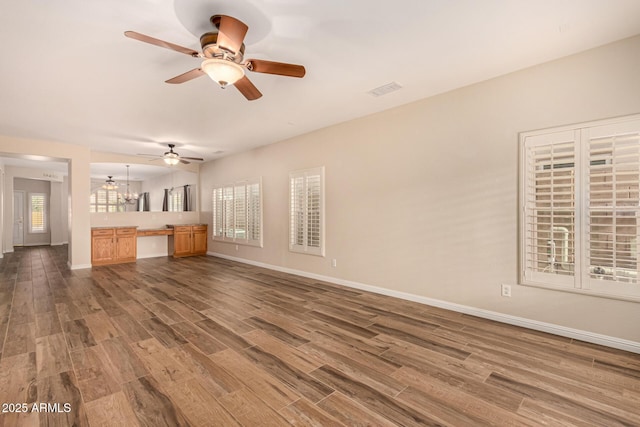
{"points": [[176, 200], [306, 211], [580, 200], [237, 213], [104, 201], [37, 213]]}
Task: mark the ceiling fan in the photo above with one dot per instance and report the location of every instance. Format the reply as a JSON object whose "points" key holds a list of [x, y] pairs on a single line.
{"points": [[223, 53], [172, 158]]}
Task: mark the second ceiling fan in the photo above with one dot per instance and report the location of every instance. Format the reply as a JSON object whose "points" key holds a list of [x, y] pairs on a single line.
{"points": [[223, 53], [172, 158]]}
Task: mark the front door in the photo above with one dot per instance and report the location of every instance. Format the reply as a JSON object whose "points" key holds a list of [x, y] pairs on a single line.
{"points": [[18, 218]]}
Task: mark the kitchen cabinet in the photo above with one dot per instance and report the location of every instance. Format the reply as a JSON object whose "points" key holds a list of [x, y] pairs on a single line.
{"points": [[188, 240], [113, 245]]}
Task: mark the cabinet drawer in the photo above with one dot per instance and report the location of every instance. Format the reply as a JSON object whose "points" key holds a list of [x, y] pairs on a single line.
{"points": [[125, 231], [182, 229], [199, 228], [102, 232]]}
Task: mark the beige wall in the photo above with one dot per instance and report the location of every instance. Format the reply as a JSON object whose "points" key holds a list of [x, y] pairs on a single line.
{"points": [[422, 199]]}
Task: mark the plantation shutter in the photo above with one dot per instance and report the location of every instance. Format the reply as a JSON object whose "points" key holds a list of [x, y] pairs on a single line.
{"points": [[228, 213], [240, 211], [580, 201], [237, 213], [549, 208], [313, 211], [176, 200], [297, 229], [37, 213], [254, 216], [218, 212], [306, 211], [613, 200]]}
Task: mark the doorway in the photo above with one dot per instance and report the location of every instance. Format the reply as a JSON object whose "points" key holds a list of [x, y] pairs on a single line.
{"points": [[18, 218]]}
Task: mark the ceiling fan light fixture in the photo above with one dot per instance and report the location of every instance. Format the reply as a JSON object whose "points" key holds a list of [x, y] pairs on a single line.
{"points": [[222, 71], [110, 184], [171, 159]]}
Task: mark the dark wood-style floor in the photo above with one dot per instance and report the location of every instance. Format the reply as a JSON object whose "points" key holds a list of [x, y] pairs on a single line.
{"points": [[207, 342]]}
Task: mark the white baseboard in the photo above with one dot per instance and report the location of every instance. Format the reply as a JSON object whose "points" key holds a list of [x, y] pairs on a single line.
{"points": [[160, 254], [78, 266], [551, 328]]}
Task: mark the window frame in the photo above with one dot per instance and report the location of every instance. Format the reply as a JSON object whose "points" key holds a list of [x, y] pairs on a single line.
{"points": [[305, 247], [226, 213], [45, 202], [584, 278]]}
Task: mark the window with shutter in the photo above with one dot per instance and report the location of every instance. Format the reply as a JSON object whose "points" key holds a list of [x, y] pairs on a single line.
{"points": [[306, 211], [37, 213], [254, 212], [237, 213], [104, 201], [218, 212], [580, 200], [176, 200], [550, 220]]}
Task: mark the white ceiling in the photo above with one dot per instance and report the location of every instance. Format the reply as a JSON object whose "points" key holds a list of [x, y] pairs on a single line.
{"points": [[69, 74]]}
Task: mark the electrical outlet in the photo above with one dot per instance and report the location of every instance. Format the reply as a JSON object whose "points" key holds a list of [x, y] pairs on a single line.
{"points": [[506, 291], [334, 263], [237, 247]]}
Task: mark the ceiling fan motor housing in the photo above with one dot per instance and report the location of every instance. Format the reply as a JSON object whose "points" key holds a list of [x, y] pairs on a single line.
{"points": [[210, 48]]}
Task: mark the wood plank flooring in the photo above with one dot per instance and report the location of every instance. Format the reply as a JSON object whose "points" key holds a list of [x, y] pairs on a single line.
{"points": [[207, 342]]}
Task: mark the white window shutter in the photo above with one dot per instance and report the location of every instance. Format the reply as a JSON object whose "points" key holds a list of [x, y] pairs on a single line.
{"points": [[306, 211], [254, 209], [37, 213], [218, 212], [549, 208], [580, 201], [613, 226], [229, 222], [237, 213]]}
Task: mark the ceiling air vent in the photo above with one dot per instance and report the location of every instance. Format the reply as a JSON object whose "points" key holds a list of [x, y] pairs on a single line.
{"points": [[385, 89]]}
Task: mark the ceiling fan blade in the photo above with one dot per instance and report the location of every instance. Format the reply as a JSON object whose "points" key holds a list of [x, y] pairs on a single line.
{"points": [[278, 68], [192, 158], [247, 88], [161, 43], [148, 155], [231, 32], [185, 77], [184, 161]]}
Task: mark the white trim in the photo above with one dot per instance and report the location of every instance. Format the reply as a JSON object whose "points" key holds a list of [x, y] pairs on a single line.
{"points": [[551, 328], [158, 255], [78, 266]]}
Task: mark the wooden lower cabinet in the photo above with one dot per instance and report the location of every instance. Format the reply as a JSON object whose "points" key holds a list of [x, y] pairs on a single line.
{"points": [[113, 245], [188, 240]]}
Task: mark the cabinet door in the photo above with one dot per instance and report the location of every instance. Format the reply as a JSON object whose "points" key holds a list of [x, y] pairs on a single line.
{"points": [[102, 249], [126, 248], [181, 242], [200, 240]]}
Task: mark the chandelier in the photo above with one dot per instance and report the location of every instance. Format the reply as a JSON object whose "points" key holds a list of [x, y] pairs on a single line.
{"points": [[128, 198]]}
